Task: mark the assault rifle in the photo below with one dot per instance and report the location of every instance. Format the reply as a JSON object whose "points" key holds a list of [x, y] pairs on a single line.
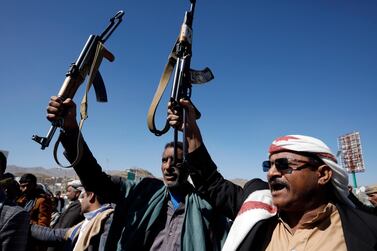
{"points": [[184, 77], [87, 64]]}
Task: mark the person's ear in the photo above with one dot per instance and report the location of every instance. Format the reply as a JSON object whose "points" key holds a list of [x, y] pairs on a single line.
{"points": [[78, 193], [92, 197], [324, 174]]}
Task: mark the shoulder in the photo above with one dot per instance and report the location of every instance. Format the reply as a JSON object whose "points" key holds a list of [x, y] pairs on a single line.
{"points": [[357, 221], [357, 215], [145, 183], [73, 208], [252, 186], [359, 227], [75, 203], [9, 213], [151, 181], [11, 210], [149, 185], [146, 186], [255, 184], [42, 199]]}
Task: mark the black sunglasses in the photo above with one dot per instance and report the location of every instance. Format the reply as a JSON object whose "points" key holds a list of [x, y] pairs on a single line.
{"points": [[284, 164]]}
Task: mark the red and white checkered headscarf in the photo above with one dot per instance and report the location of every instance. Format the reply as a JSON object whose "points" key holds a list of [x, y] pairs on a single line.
{"points": [[258, 205], [301, 143]]}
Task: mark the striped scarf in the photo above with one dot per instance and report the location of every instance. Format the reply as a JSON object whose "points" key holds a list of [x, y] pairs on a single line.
{"points": [[258, 206]]}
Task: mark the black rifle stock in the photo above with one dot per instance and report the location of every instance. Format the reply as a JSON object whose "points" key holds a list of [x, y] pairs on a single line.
{"points": [[78, 71]]}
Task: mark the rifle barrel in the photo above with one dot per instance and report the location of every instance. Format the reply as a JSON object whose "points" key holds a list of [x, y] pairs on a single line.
{"points": [[114, 22]]}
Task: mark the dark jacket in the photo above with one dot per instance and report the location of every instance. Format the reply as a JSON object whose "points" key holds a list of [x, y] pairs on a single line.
{"points": [[70, 217], [40, 213], [135, 222], [59, 237], [14, 228], [362, 206], [359, 228]]}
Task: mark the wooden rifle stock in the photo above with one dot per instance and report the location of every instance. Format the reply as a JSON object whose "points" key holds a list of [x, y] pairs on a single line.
{"points": [[74, 78]]}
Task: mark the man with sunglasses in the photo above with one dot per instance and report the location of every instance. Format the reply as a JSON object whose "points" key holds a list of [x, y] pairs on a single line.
{"points": [[303, 206]]}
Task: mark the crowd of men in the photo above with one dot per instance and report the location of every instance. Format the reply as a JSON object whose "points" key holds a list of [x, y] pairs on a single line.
{"points": [[33, 219], [304, 204]]}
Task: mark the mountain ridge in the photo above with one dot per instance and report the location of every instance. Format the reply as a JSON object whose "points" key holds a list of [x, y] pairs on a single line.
{"points": [[69, 173]]}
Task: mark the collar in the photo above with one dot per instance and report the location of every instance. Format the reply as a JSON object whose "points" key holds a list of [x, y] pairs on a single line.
{"points": [[316, 220], [90, 215], [321, 215], [176, 200]]}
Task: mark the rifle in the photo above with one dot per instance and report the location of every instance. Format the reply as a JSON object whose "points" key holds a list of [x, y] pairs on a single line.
{"points": [[184, 77], [86, 64]]}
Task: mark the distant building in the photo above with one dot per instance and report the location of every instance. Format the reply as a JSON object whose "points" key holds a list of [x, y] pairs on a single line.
{"points": [[136, 174]]}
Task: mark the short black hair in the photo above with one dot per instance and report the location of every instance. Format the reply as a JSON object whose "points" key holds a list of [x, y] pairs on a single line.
{"points": [[28, 178], [101, 199], [171, 144], [3, 162]]}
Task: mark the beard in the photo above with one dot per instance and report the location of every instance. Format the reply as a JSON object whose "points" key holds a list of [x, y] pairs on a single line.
{"points": [[178, 185]]}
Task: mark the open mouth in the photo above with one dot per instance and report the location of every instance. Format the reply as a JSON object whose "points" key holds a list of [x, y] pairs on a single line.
{"points": [[170, 176], [277, 186]]}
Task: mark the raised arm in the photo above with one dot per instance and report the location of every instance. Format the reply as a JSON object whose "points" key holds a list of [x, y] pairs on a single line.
{"points": [[224, 195], [89, 171]]}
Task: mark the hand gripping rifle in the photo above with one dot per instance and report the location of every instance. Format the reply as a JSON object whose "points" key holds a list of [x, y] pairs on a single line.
{"points": [[184, 77], [87, 63]]}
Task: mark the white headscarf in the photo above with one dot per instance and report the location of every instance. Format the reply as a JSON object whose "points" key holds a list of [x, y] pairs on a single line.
{"points": [[76, 185], [301, 143]]}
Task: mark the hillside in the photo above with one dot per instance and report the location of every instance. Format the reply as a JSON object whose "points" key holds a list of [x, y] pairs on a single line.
{"points": [[69, 174]]}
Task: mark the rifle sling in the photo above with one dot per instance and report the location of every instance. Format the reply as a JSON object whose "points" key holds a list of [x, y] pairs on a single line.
{"points": [[164, 80], [99, 55]]}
